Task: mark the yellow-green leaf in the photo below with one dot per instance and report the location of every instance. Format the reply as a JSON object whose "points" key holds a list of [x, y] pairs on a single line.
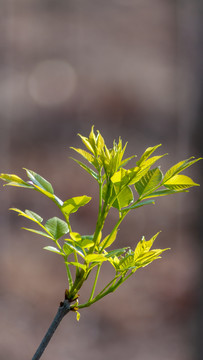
{"points": [[180, 182]]}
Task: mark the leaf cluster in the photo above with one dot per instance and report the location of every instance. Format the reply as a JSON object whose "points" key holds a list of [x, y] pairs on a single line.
{"points": [[124, 189]]}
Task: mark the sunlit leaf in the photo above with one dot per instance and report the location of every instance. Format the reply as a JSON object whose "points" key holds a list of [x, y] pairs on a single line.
{"points": [[38, 232], [87, 143], [85, 154], [33, 215], [56, 227], [14, 180], [75, 248], [144, 246], [108, 240], [53, 249], [77, 264], [164, 192], [127, 262], [75, 236], [27, 214], [72, 205], [123, 197], [147, 154], [149, 182], [177, 168], [95, 258], [39, 181], [138, 204], [179, 182]]}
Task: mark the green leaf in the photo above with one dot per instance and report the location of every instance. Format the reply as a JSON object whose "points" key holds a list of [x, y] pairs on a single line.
{"points": [[163, 192], [148, 257], [100, 143], [138, 204], [95, 258], [147, 154], [72, 205], [86, 243], [53, 249], [38, 232], [14, 180], [83, 242], [67, 249], [29, 215], [33, 215], [85, 154], [179, 182], [77, 264], [144, 246], [177, 168], [126, 263], [75, 248], [123, 197], [116, 252], [108, 240], [39, 181], [75, 236], [56, 227], [149, 182], [87, 143]]}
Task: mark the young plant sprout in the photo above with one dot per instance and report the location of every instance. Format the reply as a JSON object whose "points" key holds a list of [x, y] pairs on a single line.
{"points": [[125, 189]]}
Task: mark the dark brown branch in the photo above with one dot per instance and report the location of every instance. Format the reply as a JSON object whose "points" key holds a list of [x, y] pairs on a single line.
{"points": [[63, 309]]}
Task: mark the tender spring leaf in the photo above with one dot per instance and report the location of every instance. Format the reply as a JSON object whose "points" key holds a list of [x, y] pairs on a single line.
{"points": [[163, 192], [56, 227], [74, 247], [147, 154], [53, 249], [180, 182], [72, 205], [29, 215], [38, 232], [108, 240], [77, 264], [75, 236], [177, 168], [148, 257], [85, 154], [116, 252], [95, 258], [83, 242], [14, 180], [34, 216], [127, 262], [86, 243], [123, 197], [149, 182], [67, 249], [87, 143], [138, 204], [144, 246], [100, 143], [39, 181]]}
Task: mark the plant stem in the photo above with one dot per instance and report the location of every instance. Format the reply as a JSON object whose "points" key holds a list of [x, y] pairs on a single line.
{"points": [[95, 282], [63, 309]]}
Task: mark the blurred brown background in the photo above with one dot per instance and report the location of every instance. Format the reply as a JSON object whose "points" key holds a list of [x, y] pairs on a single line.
{"points": [[134, 69]]}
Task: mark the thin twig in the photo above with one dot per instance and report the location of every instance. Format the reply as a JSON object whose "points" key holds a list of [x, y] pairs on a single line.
{"points": [[63, 309]]}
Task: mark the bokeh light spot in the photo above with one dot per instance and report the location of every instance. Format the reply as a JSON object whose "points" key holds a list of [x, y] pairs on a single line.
{"points": [[52, 82]]}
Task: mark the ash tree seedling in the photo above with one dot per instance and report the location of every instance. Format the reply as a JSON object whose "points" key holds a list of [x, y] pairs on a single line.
{"points": [[120, 187]]}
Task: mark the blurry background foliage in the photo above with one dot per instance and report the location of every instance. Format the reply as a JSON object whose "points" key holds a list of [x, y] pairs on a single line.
{"points": [[133, 68]]}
